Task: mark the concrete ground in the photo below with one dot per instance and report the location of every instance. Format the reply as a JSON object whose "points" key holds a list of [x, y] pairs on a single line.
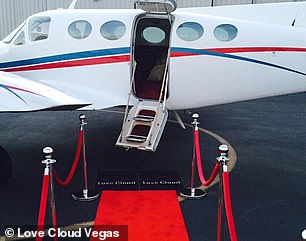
{"points": [[267, 183]]}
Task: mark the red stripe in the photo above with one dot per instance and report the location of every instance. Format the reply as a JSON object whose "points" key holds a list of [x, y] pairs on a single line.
{"points": [[15, 88], [181, 54], [126, 58], [242, 50], [256, 49], [74, 63]]}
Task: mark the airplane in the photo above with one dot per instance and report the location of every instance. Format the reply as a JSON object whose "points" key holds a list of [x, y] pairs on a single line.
{"points": [[152, 59]]}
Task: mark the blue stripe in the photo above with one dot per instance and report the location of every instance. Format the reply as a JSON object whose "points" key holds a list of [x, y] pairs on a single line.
{"points": [[65, 57], [230, 56], [4, 87], [126, 50]]}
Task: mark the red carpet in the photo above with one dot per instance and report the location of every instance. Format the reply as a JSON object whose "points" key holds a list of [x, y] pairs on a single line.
{"points": [[149, 215]]}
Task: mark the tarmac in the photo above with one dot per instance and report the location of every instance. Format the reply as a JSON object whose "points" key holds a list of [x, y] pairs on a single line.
{"points": [[267, 182]]}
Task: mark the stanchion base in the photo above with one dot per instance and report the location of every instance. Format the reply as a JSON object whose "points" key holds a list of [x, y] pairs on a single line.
{"points": [[197, 194], [91, 195]]}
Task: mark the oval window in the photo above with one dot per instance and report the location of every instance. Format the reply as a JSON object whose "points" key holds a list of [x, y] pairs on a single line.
{"points": [[225, 32], [153, 35], [79, 29], [190, 31], [113, 30]]}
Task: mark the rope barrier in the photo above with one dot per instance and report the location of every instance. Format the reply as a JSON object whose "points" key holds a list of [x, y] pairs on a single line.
{"points": [[199, 162], [85, 194], [224, 198], [193, 192], [43, 203], [224, 195], [47, 184], [228, 207], [220, 226], [50, 174], [74, 165]]}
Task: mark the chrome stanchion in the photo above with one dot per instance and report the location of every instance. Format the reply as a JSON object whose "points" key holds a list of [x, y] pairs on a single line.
{"points": [[222, 159], [48, 151], [192, 192], [303, 235], [85, 194]]}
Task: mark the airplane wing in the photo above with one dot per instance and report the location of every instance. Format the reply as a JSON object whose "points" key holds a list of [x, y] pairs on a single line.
{"points": [[21, 94]]}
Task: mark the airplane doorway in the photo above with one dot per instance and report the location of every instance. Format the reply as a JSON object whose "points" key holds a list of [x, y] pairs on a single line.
{"points": [[151, 51]]}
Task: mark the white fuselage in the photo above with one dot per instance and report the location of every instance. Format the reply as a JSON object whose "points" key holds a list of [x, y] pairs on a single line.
{"points": [[243, 59]]}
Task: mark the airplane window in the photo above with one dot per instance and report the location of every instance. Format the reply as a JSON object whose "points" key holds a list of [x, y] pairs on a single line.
{"points": [[225, 32], [153, 35], [113, 30], [39, 28], [20, 40], [79, 29], [190, 31]]}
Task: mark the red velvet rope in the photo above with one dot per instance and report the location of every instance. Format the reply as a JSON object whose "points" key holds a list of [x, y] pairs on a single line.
{"points": [[226, 190], [74, 165], [43, 205], [228, 207], [199, 162]]}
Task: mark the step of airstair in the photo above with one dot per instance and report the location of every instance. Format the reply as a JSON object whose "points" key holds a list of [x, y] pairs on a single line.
{"points": [[143, 126]]}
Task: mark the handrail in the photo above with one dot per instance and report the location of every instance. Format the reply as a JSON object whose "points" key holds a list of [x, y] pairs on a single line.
{"points": [[134, 63]]}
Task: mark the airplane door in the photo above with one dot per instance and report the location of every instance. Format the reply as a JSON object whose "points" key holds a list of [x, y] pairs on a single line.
{"points": [[145, 122], [150, 54], [143, 125]]}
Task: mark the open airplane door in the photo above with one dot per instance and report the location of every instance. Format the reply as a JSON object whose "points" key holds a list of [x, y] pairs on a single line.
{"points": [[145, 122]]}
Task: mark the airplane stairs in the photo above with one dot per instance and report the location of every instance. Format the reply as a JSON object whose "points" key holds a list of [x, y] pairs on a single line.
{"points": [[143, 126]]}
